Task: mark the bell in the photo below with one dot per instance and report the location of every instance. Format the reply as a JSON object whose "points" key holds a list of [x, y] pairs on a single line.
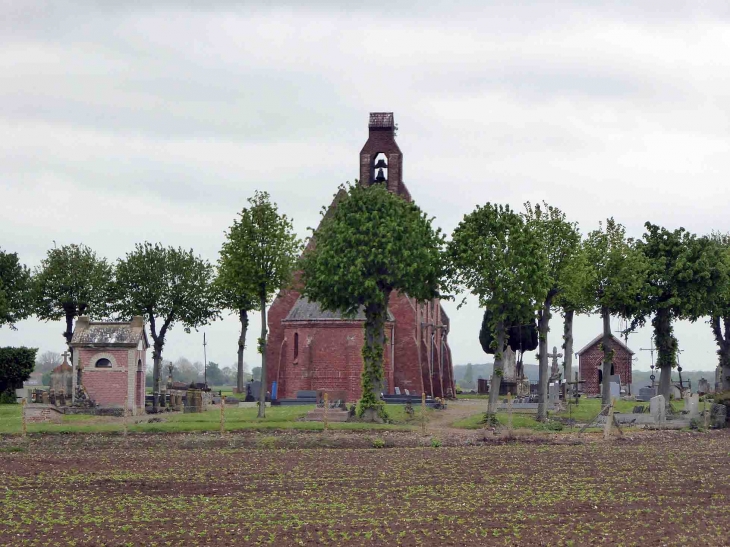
{"points": [[380, 177], [381, 164]]}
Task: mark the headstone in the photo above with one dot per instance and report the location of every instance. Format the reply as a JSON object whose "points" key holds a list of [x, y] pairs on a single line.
{"points": [[703, 386], [553, 393], [646, 393], [554, 366], [692, 405], [718, 416], [509, 365], [408, 392], [397, 390], [657, 407], [615, 390]]}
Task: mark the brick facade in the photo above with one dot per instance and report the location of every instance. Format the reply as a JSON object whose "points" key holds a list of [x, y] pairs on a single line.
{"points": [[328, 355], [591, 361], [124, 345]]}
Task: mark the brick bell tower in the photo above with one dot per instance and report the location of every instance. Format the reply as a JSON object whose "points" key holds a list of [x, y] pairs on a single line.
{"points": [[381, 161]]}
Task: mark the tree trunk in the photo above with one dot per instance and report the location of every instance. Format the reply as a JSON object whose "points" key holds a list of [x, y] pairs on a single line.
{"points": [[157, 361], [68, 335], [371, 407], [243, 315], [543, 324], [607, 357], [666, 345], [723, 350], [262, 345], [496, 371], [568, 344]]}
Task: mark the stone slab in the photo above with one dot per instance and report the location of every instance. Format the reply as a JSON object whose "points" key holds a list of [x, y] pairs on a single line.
{"points": [[658, 409], [253, 404]]}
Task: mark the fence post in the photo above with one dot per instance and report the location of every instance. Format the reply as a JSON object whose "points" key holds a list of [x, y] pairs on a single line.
{"points": [[609, 422], [326, 406], [223, 416], [509, 412], [22, 418], [423, 412], [124, 415]]}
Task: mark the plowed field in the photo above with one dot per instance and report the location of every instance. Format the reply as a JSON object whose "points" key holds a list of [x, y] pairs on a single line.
{"points": [[663, 489]]}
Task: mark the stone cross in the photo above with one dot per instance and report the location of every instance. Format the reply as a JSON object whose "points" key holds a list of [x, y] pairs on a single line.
{"points": [[554, 368], [65, 355]]}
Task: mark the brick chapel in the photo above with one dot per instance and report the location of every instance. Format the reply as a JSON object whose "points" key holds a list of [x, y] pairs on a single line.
{"points": [[309, 348], [591, 363]]}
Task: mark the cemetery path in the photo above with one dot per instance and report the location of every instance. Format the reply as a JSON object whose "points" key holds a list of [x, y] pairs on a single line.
{"points": [[455, 411]]}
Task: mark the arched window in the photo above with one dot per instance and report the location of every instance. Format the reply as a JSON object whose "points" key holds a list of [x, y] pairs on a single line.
{"points": [[103, 363], [296, 345]]}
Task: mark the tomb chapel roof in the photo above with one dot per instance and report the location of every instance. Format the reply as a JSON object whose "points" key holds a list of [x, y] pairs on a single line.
{"points": [[598, 338], [306, 310], [109, 333]]}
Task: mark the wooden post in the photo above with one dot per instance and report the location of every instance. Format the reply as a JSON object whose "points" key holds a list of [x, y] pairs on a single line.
{"points": [[22, 418], [704, 410], [326, 406], [223, 416], [509, 412], [423, 412], [609, 422], [124, 415]]}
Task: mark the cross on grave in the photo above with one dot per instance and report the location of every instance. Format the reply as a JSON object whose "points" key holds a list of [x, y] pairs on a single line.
{"points": [[65, 355], [554, 367]]}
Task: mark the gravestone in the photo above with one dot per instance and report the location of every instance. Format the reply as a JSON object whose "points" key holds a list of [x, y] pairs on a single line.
{"points": [[408, 392], [646, 393], [397, 390], [554, 366], [193, 401], [615, 390], [553, 393], [718, 416], [657, 407], [703, 386], [509, 366], [692, 405]]}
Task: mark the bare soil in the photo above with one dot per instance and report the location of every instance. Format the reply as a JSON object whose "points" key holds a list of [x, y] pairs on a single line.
{"points": [[658, 488]]}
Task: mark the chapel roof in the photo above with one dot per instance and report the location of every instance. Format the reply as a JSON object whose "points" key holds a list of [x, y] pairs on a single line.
{"points": [[306, 310], [108, 333], [598, 339]]}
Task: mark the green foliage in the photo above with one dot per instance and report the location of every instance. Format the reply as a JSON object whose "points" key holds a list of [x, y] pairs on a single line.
{"points": [[258, 256], [71, 281], [521, 333], [559, 241], [498, 257], [616, 270], [435, 443], [550, 425], [165, 283], [372, 243], [15, 290], [378, 443], [16, 364], [719, 305]]}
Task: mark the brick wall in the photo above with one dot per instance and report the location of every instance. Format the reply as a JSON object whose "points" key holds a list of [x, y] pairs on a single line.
{"points": [[107, 386], [591, 360]]}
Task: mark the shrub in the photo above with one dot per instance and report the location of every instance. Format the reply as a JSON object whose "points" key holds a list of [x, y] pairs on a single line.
{"points": [[16, 364], [7, 398], [490, 420], [378, 443], [550, 425], [435, 443]]}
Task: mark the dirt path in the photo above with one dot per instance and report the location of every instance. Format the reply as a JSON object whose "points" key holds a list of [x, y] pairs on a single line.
{"points": [[443, 420]]}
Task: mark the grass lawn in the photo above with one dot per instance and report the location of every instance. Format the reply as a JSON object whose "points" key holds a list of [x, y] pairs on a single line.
{"points": [[584, 412], [277, 417]]}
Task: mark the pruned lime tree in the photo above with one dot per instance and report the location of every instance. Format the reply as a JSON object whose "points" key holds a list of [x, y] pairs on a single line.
{"points": [[371, 244], [574, 298], [257, 259], [559, 242], [15, 290], [497, 256], [719, 309], [615, 278], [166, 286], [233, 290], [682, 280], [71, 281]]}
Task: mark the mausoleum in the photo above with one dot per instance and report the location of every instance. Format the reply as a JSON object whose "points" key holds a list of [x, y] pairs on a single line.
{"points": [[590, 359], [109, 361]]}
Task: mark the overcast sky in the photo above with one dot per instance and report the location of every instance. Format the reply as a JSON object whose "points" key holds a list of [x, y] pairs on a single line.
{"points": [[122, 122]]}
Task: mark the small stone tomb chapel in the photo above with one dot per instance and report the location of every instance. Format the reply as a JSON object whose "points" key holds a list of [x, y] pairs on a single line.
{"points": [[590, 359], [62, 382], [109, 360]]}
